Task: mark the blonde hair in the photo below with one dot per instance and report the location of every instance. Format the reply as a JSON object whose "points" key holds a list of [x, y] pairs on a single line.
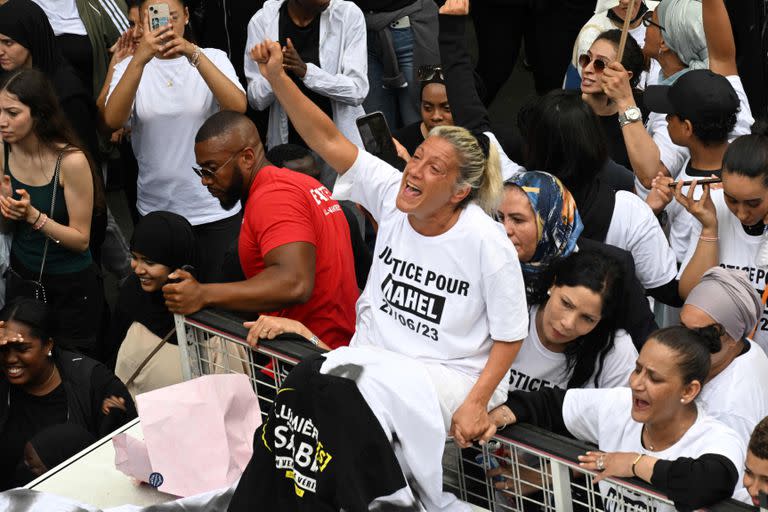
{"points": [[481, 174]]}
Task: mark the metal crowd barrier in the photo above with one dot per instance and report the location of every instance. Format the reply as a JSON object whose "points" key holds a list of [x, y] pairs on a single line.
{"points": [[540, 469]]}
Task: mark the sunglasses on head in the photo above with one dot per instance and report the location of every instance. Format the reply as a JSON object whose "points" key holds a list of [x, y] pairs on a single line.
{"points": [[427, 73], [598, 64]]}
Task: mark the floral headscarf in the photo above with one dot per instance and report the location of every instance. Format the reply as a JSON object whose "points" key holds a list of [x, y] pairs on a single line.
{"points": [[558, 221]]}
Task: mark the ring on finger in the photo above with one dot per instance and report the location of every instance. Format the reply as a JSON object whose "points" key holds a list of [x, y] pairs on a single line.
{"points": [[601, 463]]}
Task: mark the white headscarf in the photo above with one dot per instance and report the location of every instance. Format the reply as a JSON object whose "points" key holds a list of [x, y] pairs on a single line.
{"points": [[684, 31]]}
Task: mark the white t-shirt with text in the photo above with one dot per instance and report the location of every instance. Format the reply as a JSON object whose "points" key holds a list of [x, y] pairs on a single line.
{"points": [[439, 299], [536, 366]]}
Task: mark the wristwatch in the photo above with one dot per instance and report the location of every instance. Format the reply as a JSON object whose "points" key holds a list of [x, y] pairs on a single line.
{"points": [[631, 115]]}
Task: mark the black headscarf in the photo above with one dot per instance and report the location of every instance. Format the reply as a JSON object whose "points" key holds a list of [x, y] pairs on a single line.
{"points": [[165, 238], [26, 23]]}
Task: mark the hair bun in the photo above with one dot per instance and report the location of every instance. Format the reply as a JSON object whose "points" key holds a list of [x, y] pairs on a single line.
{"points": [[710, 337]]}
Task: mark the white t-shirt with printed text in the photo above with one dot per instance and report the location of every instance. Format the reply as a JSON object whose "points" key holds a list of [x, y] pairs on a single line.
{"points": [[604, 417], [439, 299], [536, 366], [172, 102], [738, 250]]}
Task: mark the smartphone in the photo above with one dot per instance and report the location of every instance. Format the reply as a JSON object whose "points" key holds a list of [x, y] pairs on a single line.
{"points": [[377, 139], [159, 16], [187, 268], [702, 181]]}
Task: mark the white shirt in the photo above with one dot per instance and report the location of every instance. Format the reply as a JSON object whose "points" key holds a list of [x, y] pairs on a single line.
{"points": [[439, 299], [675, 157], [737, 250], [342, 75], [738, 396], [536, 366], [635, 228], [604, 417], [63, 16], [172, 102]]}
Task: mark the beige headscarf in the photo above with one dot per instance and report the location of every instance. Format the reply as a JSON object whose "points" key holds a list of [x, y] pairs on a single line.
{"points": [[730, 299]]}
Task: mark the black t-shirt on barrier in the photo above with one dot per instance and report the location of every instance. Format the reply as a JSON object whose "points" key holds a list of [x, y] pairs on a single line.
{"points": [[306, 41]]}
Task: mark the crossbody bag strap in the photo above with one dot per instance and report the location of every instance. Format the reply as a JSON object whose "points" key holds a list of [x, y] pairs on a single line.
{"points": [[55, 183]]}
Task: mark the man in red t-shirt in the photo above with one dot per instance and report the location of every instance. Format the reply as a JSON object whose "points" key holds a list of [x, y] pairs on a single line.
{"points": [[294, 245]]}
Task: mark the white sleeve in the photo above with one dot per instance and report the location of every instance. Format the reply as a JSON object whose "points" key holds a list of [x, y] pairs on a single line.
{"points": [[635, 228], [671, 155], [508, 166], [350, 84], [619, 362], [504, 293], [582, 412], [744, 119], [370, 182], [223, 64], [260, 94]]}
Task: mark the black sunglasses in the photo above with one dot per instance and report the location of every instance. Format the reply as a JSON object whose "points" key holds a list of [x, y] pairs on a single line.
{"points": [[598, 64], [427, 73], [647, 21]]}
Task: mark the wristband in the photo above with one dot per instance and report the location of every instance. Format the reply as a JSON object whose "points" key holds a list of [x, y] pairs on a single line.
{"points": [[39, 225], [709, 238], [634, 463]]}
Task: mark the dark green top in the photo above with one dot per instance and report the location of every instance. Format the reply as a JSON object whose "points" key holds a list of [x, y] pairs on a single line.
{"points": [[28, 244]]}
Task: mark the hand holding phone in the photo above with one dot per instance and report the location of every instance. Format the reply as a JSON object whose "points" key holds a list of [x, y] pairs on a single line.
{"points": [[377, 139], [701, 181], [159, 16]]}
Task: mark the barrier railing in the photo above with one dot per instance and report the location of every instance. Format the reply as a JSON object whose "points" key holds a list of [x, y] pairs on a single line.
{"points": [[538, 469]]}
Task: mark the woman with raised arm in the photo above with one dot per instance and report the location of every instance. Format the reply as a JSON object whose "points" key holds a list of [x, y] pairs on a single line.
{"points": [[164, 92], [461, 322], [652, 430]]}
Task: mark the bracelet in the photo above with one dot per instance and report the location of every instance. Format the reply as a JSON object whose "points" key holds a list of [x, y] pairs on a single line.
{"points": [[194, 59], [709, 238], [39, 213], [38, 226], [314, 340], [634, 463]]}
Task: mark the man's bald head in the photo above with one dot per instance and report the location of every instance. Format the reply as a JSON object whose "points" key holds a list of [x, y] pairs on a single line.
{"points": [[232, 127]]}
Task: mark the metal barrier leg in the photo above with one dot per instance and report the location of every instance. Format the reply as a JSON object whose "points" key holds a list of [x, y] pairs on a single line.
{"points": [[181, 335], [561, 487]]}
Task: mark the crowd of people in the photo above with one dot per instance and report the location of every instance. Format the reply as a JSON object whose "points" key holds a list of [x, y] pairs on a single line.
{"points": [[597, 266]]}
